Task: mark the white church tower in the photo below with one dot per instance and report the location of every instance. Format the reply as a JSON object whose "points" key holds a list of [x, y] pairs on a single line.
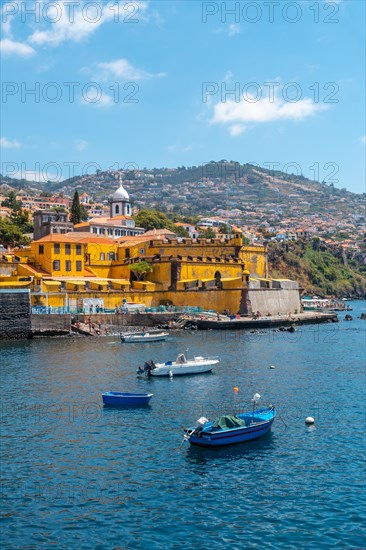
{"points": [[119, 203]]}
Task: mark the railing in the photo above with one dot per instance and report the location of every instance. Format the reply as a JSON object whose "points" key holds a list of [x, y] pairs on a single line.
{"points": [[50, 310]]}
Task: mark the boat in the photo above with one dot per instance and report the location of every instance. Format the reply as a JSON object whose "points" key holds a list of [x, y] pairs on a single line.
{"points": [[125, 399], [232, 429], [180, 366], [323, 305], [144, 336]]}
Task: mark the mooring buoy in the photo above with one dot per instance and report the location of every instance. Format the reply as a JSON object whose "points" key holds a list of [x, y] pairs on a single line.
{"points": [[309, 420]]}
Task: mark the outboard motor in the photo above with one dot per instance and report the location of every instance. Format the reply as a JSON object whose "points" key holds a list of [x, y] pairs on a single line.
{"points": [[148, 367]]}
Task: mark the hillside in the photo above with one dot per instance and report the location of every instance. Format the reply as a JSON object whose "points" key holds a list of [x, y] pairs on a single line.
{"points": [[320, 270], [263, 203], [231, 186]]}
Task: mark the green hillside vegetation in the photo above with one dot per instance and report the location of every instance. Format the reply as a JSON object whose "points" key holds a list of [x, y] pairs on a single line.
{"points": [[319, 270], [154, 219]]}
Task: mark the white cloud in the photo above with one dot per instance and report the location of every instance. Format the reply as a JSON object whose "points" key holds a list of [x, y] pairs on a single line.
{"points": [[81, 144], [77, 24], [237, 114], [228, 76], [230, 30], [7, 144], [10, 47], [237, 129], [105, 100], [7, 13], [34, 175], [234, 29], [121, 68]]}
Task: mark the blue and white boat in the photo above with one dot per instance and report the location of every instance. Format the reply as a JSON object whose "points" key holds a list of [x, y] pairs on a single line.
{"points": [[232, 429], [181, 366], [125, 399]]}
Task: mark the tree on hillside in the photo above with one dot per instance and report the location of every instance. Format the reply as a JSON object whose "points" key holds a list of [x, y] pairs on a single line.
{"points": [[154, 219], [140, 269], [11, 234], [20, 218], [12, 202], [151, 219], [207, 234], [224, 229], [78, 212]]}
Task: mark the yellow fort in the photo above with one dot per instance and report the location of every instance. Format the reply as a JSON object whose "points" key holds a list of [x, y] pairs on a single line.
{"points": [[90, 270]]}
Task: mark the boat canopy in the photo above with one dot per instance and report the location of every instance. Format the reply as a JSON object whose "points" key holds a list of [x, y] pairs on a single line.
{"points": [[227, 422], [181, 359]]}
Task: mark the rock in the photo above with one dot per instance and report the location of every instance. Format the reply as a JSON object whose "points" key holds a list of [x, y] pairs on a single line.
{"points": [[348, 318]]}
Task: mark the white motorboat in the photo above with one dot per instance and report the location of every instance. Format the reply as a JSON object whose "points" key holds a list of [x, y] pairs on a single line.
{"points": [[144, 336], [180, 366]]}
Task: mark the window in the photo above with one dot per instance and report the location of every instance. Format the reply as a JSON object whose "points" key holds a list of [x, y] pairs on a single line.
{"points": [[116, 209], [127, 253], [142, 251], [102, 256], [56, 265], [95, 230], [68, 265], [56, 248], [111, 256], [78, 265], [78, 249], [41, 249], [68, 249], [101, 231], [110, 231]]}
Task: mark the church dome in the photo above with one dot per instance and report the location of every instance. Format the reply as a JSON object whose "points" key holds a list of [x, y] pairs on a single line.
{"points": [[121, 194]]}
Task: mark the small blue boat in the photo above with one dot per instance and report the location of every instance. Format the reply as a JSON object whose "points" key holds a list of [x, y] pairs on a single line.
{"points": [[126, 399], [229, 429]]}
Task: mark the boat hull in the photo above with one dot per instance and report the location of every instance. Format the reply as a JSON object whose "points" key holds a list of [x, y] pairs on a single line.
{"points": [[230, 439], [125, 399], [220, 438], [183, 369], [144, 338]]}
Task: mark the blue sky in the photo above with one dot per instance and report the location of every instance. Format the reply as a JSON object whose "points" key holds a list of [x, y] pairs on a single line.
{"points": [[156, 84]]}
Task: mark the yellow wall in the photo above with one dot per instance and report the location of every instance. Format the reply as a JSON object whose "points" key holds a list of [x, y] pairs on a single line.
{"points": [[218, 300], [45, 260], [206, 270], [255, 260]]}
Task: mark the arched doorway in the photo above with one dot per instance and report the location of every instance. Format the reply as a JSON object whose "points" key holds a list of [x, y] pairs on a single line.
{"points": [[218, 282]]}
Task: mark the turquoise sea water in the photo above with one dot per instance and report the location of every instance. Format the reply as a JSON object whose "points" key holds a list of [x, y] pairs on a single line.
{"points": [[75, 475]]}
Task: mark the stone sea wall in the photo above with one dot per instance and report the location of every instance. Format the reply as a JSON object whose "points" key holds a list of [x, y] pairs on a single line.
{"points": [[15, 316], [275, 301]]}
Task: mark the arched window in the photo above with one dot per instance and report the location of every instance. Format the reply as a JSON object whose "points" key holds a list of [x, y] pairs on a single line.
{"points": [[116, 209]]}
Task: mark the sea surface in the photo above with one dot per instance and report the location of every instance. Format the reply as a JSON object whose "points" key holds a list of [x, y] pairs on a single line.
{"points": [[75, 475]]}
